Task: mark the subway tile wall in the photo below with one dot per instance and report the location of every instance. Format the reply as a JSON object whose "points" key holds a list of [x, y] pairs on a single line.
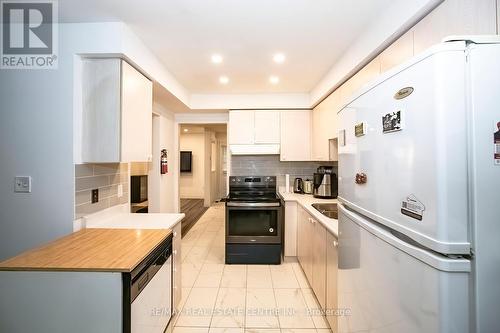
{"points": [[106, 178], [270, 165]]}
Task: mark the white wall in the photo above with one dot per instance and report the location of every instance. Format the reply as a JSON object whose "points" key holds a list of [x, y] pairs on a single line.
{"points": [[36, 135], [192, 185], [162, 187]]}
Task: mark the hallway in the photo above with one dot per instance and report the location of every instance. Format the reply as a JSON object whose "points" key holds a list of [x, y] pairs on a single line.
{"points": [[240, 298]]}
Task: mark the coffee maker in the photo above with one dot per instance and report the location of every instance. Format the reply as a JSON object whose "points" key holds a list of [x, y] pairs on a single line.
{"points": [[325, 183]]}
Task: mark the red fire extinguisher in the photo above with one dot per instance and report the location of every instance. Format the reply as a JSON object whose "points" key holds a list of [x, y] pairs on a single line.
{"points": [[164, 162]]}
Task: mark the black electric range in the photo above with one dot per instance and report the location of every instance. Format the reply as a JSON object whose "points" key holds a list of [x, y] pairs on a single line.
{"points": [[253, 221]]}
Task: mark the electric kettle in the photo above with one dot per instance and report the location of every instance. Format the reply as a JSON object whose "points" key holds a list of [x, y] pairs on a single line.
{"points": [[298, 185]]}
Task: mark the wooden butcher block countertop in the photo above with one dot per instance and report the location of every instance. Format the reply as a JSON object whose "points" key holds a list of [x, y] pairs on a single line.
{"points": [[100, 250]]}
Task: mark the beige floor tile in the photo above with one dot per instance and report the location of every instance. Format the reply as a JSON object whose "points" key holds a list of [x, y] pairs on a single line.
{"points": [[206, 239], [229, 308], [315, 309], [298, 330], [234, 276], [322, 330], [215, 255], [226, 330], [189, 275], [299, 274], [210, 276], [190, 330], [292, 309], [259, 276], [197, 311], [260, 330], [283, 276], [261, 309], [196, 256]]}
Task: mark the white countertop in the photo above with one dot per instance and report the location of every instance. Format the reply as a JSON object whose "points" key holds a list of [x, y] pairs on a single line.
{"points": [[118, 217], [306, 201]]}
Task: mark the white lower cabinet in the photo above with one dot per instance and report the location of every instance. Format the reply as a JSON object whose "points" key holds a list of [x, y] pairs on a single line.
{"points": [[319, 262], [304, 242], [317, 255], [290, 246], [331, 279], [177, 264]]}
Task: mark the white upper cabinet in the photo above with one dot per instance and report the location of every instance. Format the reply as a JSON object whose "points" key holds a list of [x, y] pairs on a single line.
{"points": [[267, 127], [254, 132], [296, 135], [241, 127], [117, 112], [324, 124]]}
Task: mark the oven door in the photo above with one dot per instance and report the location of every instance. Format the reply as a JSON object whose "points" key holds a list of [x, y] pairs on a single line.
{"points": [[253, 222]]}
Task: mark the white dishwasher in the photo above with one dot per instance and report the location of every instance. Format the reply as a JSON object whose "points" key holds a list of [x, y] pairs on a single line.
{"points": [[148, 292]]}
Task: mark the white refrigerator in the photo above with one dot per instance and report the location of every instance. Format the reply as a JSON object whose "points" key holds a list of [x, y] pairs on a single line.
{"points": [[419, 187]]}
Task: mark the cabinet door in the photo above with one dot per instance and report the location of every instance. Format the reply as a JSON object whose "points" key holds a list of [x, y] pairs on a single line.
{"points": [[177, 264], [291, 229], [331, 278], [319, 262], [267, 127], [304, 243], [101, 110], [295, 135], [137, 115], [241, 127], [324, 126]]}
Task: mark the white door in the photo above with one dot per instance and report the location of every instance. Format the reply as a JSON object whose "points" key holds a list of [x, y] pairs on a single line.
{"points": [[389, 286], [416, 175]]}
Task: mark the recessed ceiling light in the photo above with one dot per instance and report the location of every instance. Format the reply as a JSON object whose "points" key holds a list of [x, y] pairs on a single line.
{"points": [[186, 130], [224, 80], [216, 58], [274, 79], [279, 58]]}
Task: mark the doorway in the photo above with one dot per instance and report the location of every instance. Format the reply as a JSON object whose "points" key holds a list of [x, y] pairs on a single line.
{"points": [[203, 169]]}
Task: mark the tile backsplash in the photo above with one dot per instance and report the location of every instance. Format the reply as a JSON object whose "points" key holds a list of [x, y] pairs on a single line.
{"points": [[106, 178], [270, 165]]}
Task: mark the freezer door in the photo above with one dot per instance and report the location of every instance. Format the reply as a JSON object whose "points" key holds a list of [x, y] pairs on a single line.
{"points": [[404, 160], [387, 285]]}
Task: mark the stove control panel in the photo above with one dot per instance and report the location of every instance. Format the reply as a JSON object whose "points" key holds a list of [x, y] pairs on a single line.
{"points": [[252, 180]]}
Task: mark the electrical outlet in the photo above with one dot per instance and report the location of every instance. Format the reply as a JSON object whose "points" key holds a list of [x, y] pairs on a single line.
{"points": [[22, 184], [120, 190], [95, 195]]}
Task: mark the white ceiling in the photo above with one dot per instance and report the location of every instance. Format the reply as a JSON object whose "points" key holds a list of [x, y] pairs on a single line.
{"points": [[313, 34]]}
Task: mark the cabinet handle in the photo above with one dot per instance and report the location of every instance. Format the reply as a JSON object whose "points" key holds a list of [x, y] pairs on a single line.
{"points": [[174, 251], [175, 234], [335, 243]]}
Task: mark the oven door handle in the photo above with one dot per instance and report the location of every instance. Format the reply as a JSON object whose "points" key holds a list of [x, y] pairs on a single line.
{"points": [[253, 204]]}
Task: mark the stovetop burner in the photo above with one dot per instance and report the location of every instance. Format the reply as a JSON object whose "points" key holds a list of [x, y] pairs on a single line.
{"points": [[252, 189]]}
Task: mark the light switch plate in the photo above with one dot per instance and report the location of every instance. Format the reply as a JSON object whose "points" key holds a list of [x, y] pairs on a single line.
{"points": [[120, 190], [22, 184]]}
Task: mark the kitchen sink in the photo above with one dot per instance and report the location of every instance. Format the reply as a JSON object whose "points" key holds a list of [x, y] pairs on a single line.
{"points": [[327, 209]]}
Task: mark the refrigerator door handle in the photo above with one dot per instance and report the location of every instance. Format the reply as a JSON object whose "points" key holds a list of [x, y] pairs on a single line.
{"points": [[404, 243]]}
